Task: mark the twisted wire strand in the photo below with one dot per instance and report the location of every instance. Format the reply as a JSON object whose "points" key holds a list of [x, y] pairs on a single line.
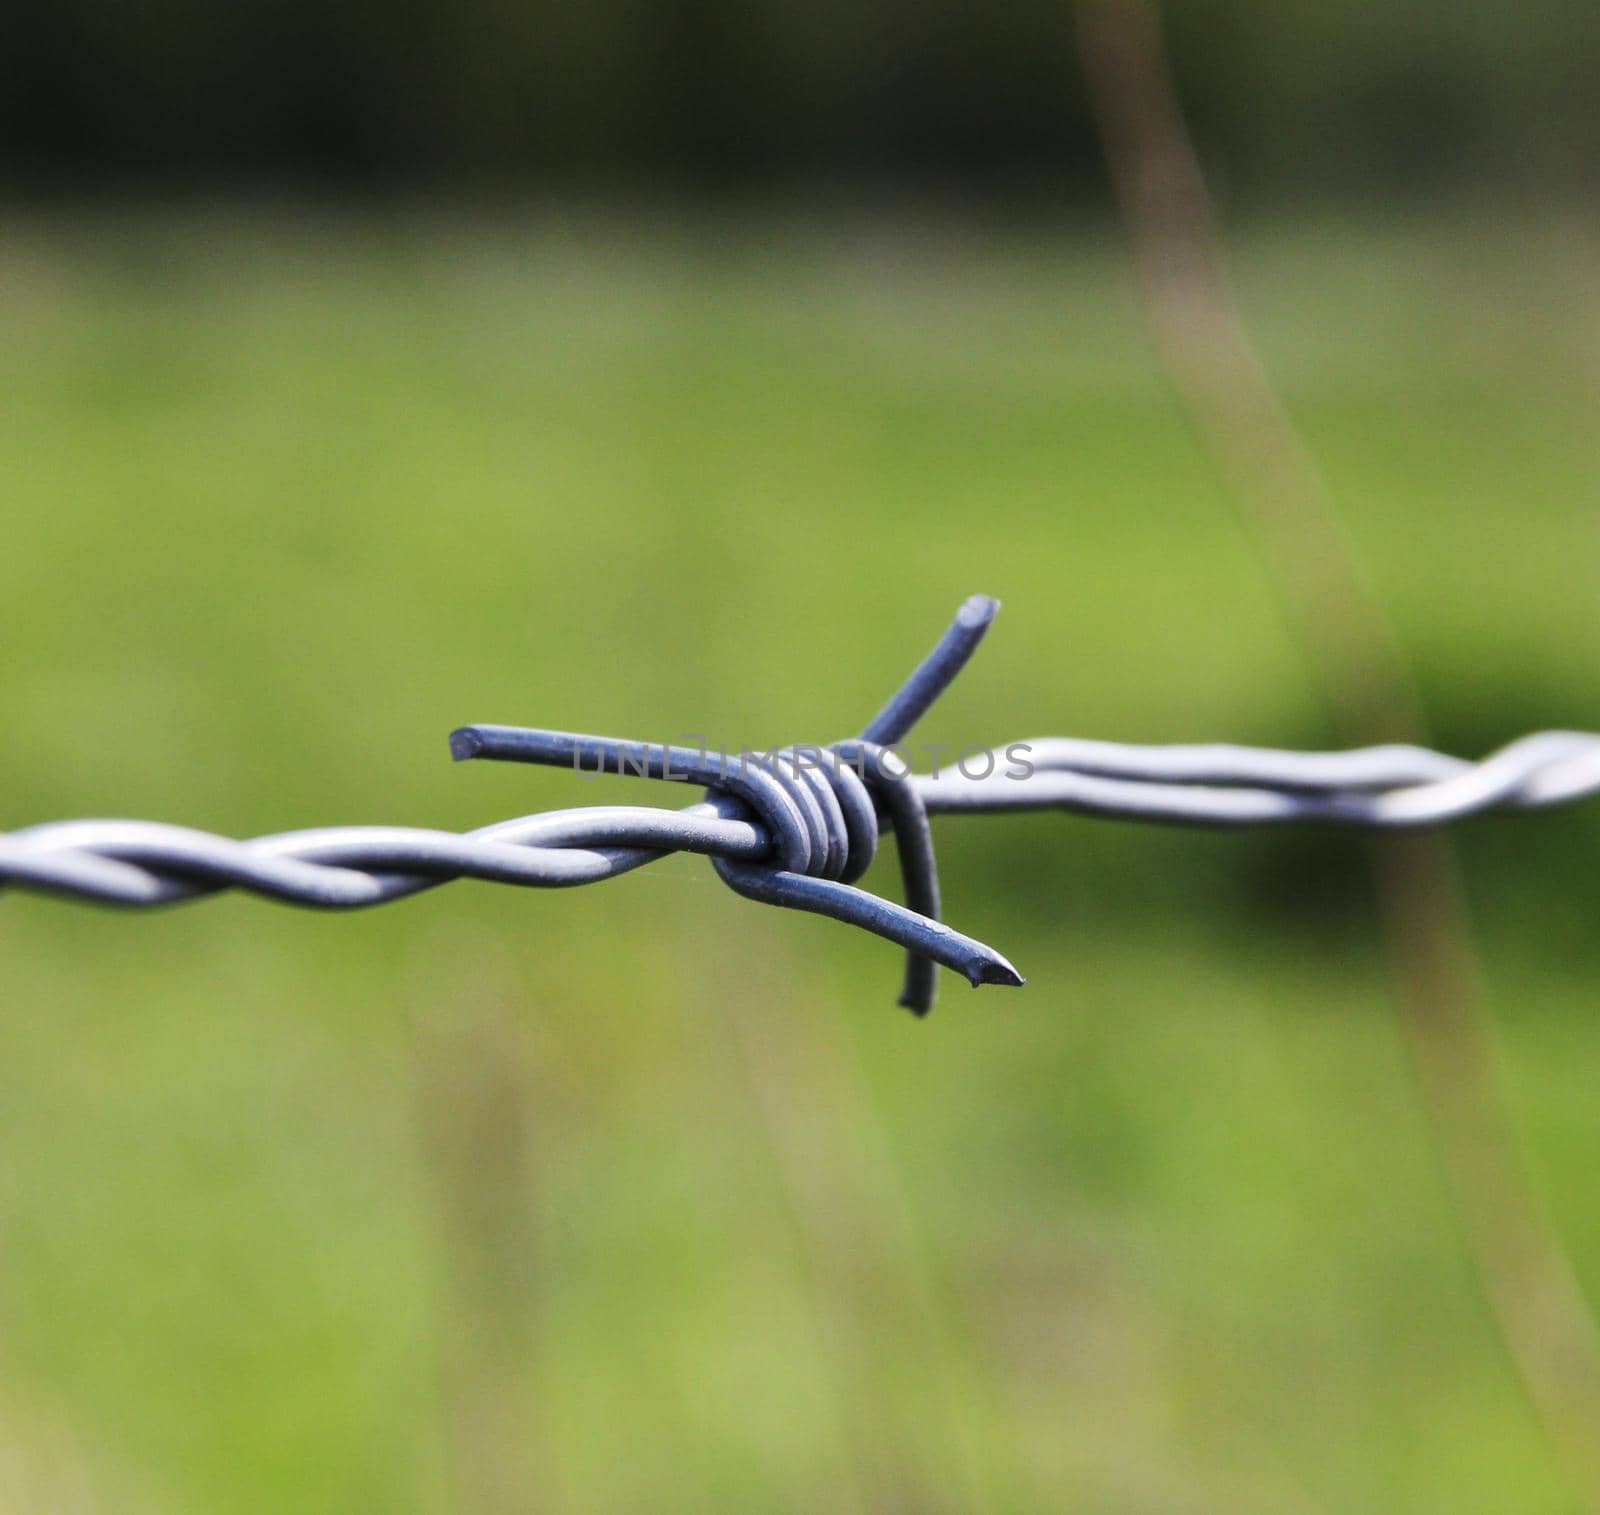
{"points": [[798, 826], [1391, 787]]}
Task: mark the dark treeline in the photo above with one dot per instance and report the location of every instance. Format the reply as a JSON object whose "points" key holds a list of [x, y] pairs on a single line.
{"points": [[758, 91]]}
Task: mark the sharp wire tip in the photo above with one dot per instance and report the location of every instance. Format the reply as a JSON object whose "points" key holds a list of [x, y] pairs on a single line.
{"points": [[978, 610], [994, 971], [465, 743]]}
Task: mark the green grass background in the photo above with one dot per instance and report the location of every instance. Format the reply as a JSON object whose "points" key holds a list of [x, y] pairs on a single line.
{"points": [[641, 1198]]}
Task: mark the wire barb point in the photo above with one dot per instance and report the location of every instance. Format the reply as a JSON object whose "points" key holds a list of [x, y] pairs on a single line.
{"points": [[995, 971], [978, 610], [465, 743]]}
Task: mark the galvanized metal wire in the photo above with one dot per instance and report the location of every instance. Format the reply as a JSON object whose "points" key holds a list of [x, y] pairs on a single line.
{"points": [[797, 827]]}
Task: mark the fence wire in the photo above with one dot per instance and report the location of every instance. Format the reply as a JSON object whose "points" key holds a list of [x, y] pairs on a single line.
{"points": [[798, 826]]}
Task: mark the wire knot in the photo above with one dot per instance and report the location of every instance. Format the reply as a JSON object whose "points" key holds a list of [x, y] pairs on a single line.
{"points": [[842, 793], [820, 810], [831, 795]]}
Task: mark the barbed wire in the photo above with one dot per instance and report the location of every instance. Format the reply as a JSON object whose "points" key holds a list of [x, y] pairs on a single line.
{"points": [[797, 826]]}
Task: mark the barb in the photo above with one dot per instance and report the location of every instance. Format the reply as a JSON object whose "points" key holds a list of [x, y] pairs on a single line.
{"points": [[797, 826]]}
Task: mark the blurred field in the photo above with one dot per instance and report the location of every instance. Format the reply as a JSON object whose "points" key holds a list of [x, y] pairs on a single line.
{"points": [[641, 1198]]}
